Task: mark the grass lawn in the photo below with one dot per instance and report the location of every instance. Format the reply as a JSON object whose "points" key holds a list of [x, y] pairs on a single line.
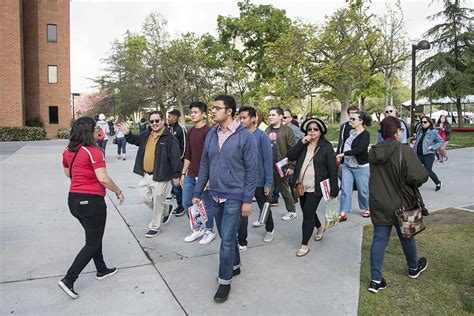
{"points": [[445, 288]]}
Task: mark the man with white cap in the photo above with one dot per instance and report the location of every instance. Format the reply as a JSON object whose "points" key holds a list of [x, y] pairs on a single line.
{"points": [[104, 131]]}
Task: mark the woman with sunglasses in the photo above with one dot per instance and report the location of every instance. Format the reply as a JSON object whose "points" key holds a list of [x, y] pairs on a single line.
{"points": [[356, 165], [84, 164], [426, 145], [315, 162]]}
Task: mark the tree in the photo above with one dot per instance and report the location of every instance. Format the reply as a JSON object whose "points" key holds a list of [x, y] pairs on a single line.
{"points": [[450, 71]]}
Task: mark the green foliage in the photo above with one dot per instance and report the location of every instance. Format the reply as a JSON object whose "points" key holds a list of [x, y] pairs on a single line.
{"points": [[9, 134], [64, 133], [34, 122]]}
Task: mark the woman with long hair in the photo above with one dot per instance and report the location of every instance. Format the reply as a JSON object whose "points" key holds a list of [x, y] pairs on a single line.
{"points": [[315, 162], [355, 168], [84, 164], [444, 130], [426, 145]]}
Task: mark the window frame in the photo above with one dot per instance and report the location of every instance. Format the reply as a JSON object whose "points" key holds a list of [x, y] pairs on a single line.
{"points": [[55, 35], [57, 74]]}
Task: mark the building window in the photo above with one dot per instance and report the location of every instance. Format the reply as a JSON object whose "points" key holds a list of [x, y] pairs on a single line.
{"points": [[52, 74], [52, 33], [53, 115]]}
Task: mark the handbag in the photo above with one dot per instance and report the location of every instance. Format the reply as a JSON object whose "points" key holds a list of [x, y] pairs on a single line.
{"points": [[410, 220], [299, 189], [114, 141]]}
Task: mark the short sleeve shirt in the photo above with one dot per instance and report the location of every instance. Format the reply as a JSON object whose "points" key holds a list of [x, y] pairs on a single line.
{"points": [[83, 178]]}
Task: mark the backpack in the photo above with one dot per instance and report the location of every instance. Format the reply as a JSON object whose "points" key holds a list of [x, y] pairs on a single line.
{"points": [[101, 135]]}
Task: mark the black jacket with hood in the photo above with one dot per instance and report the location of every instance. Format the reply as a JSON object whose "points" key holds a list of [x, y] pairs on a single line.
{"points": [[384, 182]]}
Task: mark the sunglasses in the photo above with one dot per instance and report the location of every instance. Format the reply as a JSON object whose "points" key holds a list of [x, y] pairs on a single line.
{"points": [[285, 117], [155, 121], [389, 111], [314, 129], [353, 119], [424, 122]]}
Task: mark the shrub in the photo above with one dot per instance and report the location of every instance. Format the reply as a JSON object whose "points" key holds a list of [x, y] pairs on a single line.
{"points": [[34, 122], [9, 134], [63, 133]]}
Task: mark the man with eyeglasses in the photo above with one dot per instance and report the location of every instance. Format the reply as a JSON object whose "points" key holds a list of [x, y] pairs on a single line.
{"points": [[158, 162], [392, 111], [228, 162]]}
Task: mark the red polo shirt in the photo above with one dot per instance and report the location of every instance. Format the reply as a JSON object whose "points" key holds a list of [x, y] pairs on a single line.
{"points": [[84, 179]]}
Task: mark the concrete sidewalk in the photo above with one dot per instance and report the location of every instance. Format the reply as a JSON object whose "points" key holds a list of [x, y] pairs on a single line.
{"points": [[164, 275]]}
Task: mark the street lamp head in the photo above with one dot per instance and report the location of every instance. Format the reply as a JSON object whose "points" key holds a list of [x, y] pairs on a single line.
{"points": [[75, 94], [423, 44]]}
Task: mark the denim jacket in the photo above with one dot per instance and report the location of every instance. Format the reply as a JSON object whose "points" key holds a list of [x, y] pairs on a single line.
{"points": [[432, 139]]}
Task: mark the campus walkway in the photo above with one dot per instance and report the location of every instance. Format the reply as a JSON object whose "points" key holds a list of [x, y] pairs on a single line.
{"points": [[164, 275]]}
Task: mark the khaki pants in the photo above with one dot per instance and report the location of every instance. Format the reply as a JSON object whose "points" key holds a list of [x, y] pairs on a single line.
{"points": [[154, 194]]}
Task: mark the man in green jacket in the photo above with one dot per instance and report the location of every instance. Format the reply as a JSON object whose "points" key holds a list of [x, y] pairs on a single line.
{"points": [[282, 138]]}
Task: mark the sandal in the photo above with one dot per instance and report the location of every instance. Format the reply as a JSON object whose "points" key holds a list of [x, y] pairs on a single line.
{"points": [[342, 218], [366, 213]]}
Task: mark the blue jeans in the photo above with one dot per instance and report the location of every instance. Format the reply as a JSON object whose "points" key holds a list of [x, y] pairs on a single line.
{"points": [[121, 145], [188, 190], [379, 244], [361, 178], [227, 216]]}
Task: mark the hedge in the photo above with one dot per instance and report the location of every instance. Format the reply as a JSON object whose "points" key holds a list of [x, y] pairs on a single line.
{"points": [[9, 134], [63, 133]]}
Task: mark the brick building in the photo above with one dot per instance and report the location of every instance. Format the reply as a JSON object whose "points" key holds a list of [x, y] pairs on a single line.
{"points": [[35, 63]]}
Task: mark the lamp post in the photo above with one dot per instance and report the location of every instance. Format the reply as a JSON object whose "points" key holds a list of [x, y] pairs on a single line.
{"points": [[422, 45], [74, 94]]}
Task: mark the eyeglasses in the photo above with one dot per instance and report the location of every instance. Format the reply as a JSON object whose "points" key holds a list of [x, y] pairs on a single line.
{"points": [[155, 121], [389, 111], [424, 122], [217, 108], [314, 129]]}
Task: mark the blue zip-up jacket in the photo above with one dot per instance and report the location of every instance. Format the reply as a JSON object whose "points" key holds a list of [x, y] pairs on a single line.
{"points": [[265, 159], [432, 139], [232, 169]]}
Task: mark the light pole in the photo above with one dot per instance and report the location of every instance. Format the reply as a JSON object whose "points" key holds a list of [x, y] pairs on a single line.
{"points": [[74, 94], [422, 45]]}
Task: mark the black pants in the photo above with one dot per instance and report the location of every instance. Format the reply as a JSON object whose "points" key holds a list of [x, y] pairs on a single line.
{"points": [[261, 199], [427, 161], [91, 211], [309, 204]]}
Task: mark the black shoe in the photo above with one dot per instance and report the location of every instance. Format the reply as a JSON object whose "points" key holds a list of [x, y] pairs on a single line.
{"points": [[222, 293], [166, 219], [374, 287], [236, 272], [106, 273], [438, 187], [179, 211], [274, 202], [68, 288], [422, 265]]}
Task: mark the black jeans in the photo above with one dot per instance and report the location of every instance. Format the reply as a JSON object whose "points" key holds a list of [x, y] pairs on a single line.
{"points": [[427, 161], [91, 211], [309, 204], [261, 199]]}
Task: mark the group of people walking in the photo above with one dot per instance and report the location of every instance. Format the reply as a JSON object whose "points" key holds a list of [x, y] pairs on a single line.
{"points": [[234, 162]]}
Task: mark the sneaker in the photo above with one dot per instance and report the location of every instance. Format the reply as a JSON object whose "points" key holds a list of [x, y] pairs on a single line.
{"points": [[222, 293], [171, 197], [288, 216], [374, 287], [257, 224], [152, 233], [179, 211], [194, 235], [68, 288], [167, 218], [268, 236], [236, 272], [274, 202], [107, 273], [438, 187], [243, 248], [207, 238], [422, 265]]}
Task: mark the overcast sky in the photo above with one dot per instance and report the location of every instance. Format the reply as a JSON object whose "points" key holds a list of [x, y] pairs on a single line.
{"points": [[95, 24]]}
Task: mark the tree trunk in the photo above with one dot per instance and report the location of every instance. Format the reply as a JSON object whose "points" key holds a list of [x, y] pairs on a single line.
{"points": [[344, 105], [362, 103], [459, 110]]}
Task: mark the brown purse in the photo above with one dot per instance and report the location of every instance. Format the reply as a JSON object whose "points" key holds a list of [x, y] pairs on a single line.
{"points": [[299, 189]]}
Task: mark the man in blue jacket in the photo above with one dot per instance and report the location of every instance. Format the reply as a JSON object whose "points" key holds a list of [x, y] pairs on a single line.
{"points": [[228, 162], [248, 118]]}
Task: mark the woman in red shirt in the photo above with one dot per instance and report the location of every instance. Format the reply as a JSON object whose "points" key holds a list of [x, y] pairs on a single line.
{"points": [[84, 164]]}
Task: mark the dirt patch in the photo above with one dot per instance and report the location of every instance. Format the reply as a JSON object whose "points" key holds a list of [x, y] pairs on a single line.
{"points": [[450, 216]]}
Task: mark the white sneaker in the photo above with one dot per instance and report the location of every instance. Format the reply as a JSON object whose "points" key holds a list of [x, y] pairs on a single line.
{"points": [[288, 216], [243, 248], [194, 235], [207, 238], [257, 224], [268, 236]]}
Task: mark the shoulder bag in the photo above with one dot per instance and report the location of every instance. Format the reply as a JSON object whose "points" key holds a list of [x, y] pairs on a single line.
{"points": [[299, 189], [410, 220]]}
